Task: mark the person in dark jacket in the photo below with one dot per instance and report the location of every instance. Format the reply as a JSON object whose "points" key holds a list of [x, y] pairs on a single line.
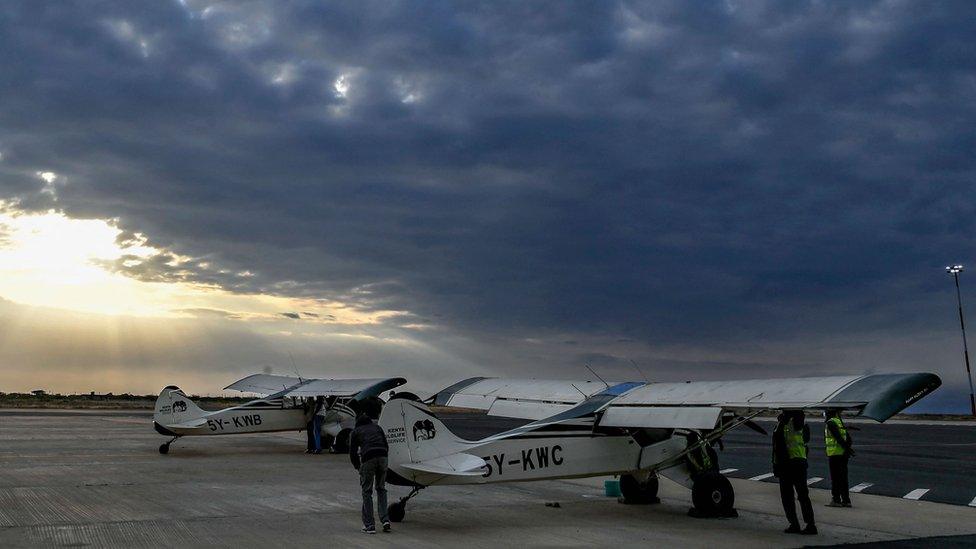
{"points": [[368, 451], [790, 441]]}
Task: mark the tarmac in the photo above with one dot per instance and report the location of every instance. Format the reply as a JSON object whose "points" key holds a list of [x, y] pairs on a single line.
{"points": [[96, 479]]}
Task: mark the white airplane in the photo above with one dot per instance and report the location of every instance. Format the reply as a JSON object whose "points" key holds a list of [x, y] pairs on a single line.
{"points": [[636, 430], [285, 407]]}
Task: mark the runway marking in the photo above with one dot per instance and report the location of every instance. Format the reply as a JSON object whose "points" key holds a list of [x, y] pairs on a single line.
{"points": [[972, 503], [762, 477], [727, 471], [813, 480], [916, 493], [860, 487]]}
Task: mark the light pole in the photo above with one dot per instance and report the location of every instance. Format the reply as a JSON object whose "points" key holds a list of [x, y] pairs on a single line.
{"points": [[954, 270]]}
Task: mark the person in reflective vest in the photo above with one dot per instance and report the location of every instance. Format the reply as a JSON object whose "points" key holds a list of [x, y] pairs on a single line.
{"points": [[790, 440], [839, 452]]}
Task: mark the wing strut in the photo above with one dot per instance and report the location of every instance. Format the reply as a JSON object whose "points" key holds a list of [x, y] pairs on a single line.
{"points": [[714, 435]]}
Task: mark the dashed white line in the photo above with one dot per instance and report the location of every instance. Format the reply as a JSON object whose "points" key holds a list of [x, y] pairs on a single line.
{"points": [[916, 493], [727, 471], [813, 480], [972, 503], [761, 477], [860, 487]]}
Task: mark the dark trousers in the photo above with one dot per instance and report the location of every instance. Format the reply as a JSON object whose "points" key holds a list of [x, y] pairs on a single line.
{"points": [[309, 430], [373, 472], [793, 478], [839, 485], [317, 431]]}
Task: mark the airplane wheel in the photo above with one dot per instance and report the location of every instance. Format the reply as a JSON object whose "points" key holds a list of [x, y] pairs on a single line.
{"points": [[712, 494], [635, 491], [396, 511], [341, 445], [164, 449]]}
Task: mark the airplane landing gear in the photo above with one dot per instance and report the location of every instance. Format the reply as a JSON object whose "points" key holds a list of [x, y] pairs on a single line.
{"points": [[713, 496], [164, 447], [399, 509], [341, 443], [636, 492]]}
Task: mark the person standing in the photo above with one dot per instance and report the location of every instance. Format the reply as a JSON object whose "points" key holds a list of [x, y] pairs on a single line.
{"points": [[790, 440], [368, 451], [308, 405], [839, 452], [313, 425]]}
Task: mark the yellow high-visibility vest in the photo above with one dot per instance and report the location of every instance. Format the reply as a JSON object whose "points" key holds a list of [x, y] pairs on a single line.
{"points": [[796, 448], [834, 447]]}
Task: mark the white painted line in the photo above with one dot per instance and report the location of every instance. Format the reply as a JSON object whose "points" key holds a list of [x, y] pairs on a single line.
{"points": [[813, 480], [762, 477], [916, 493], [861, 487], [727, 471], [972, 503]]}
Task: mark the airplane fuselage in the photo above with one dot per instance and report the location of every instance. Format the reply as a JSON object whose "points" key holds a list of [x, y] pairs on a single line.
{"points": [[558, 456], [255, 417]]}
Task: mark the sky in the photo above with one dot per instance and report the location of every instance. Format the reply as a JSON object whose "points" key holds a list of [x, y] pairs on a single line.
{"points": [[192, 191]]}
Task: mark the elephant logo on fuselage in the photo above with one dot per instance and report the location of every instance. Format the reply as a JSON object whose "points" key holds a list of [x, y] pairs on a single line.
{"points": [[424, 430]]}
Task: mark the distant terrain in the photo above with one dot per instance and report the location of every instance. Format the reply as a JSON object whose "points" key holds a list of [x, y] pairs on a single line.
{"points": [[108, 401], [125, 401]]}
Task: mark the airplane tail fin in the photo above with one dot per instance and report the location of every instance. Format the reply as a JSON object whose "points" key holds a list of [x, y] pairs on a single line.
{"points": [[174, 407], [416, 435]]}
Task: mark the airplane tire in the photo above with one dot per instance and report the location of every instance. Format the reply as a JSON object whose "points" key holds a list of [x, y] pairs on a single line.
{"points": [[635, 491], [341, 444], [396, 511], [712, 495], [164, 449], [407, 396]]}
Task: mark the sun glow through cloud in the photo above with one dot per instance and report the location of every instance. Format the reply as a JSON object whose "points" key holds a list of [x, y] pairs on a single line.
{"points": [[51, 260]]}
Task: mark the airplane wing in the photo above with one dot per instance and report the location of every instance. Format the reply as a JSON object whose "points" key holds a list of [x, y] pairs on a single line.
{"points": [[874, 396], [283, 386], [518, 398], [263, 384], [692, 405]]}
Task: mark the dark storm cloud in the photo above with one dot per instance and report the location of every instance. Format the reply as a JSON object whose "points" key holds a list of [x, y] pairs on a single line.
{"points": [[664, 172]]}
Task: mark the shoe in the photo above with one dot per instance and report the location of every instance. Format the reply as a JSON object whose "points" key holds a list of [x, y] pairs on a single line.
{"points": [[370, 530], [847, 504], [792, 529], [309, 451], [386, 526], [317, 452], [835, 504], [810, 530]]}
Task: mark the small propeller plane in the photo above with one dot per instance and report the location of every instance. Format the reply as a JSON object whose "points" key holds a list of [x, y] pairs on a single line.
{"points": [[286, 407], [638, 430]]}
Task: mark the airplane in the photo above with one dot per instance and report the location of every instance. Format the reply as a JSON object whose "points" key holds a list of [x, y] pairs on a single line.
{"points": [[638, 430], [282, 409]]}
